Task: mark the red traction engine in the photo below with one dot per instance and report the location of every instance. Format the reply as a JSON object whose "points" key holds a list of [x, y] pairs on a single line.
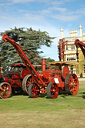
{"points": [[50, 81], [11, 80]]}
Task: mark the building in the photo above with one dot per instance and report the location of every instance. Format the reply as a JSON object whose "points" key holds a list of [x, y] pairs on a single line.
{"points": [[68, 51]]}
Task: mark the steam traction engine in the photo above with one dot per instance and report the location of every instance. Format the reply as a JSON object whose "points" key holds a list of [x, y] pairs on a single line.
{"points": [[50, 81], [11, 80]]}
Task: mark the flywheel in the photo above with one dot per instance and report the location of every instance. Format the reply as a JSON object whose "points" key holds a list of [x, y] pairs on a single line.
{"points": [[64, 71]]}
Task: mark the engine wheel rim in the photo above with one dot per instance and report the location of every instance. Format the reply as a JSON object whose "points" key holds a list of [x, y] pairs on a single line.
{"points": [[26, 82], [54, 91], [35, 90], [29, 81], [5, 90]]}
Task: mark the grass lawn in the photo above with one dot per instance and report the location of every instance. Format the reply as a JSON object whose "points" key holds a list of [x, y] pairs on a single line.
{"points": [[64, 112]]}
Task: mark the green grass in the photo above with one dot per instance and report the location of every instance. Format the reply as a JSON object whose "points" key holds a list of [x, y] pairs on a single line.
{"points": [[64, 112]]}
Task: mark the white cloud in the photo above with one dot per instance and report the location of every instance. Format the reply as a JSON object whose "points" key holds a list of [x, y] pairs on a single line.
{"points": [[50, 10], [26, 1], [34, 17], [81, 11], [56, 12], [50, 2], [22, 1], [66, 17], [11, 16]]}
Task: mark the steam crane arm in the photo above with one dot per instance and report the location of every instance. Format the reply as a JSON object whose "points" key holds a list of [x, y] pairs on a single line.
{"points": [[24, 58], [80, 44]]}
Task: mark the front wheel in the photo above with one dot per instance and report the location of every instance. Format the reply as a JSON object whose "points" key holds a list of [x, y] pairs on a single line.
{"points": [[33, 90], [5, 90], [52, 90]]}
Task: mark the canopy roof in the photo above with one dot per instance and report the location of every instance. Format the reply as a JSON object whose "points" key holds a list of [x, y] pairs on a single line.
{"points": [[57, 63]]}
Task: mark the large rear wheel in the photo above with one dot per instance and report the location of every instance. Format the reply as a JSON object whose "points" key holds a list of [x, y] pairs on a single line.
{"points": [[5, 90], [52, 90], [26, 82], [33, 90], [71, 84]]}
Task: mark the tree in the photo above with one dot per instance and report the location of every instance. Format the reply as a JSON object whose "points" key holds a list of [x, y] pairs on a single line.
{"points": [[49, 60], [28, 38]]}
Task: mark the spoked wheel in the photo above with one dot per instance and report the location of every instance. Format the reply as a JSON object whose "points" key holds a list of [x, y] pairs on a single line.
{"points": [[26, 82], [5, 90], [71, 84], [52, 90], [33, 90]]}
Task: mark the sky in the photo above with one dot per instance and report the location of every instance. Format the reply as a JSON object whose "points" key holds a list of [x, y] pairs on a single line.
{"points": [[44, 15]]}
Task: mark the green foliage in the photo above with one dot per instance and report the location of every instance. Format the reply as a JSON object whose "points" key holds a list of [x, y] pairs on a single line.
{"points": [[81, 67], [28, 38], [81, 75], [49, 60]]}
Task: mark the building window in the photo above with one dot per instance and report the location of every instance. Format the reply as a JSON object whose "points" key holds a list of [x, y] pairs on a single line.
{"points": [[70, 47], [71, 58], [84, 68]]}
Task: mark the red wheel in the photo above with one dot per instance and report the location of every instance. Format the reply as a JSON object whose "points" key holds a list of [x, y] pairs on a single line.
{"points": [[26, 82], [5, 90], [33, 90], [71, 84], [52, 90], [65, 71]]}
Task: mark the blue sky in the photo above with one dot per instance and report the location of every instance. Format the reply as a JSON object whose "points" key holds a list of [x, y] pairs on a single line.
{"points": [[46, 15]]}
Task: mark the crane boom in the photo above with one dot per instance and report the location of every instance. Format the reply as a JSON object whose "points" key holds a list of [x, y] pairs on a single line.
{"points": [[24, 58], [80, 44]]}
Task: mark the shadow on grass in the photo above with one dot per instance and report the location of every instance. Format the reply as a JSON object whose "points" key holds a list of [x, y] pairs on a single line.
{"points": [[62, 94], [45, 95], [83, 95]]}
